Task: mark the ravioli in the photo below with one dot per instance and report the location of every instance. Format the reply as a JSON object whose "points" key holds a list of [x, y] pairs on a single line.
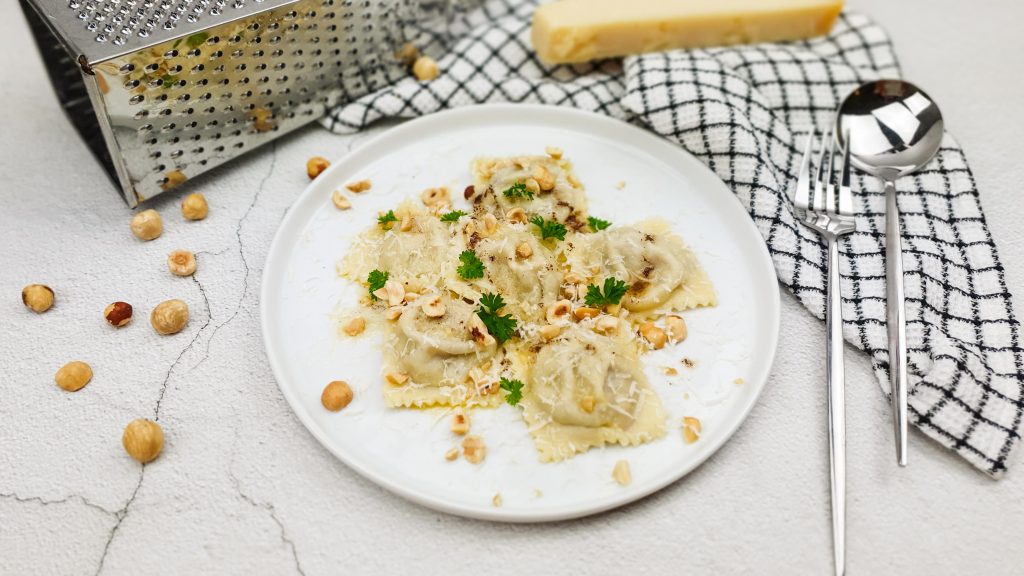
{"points": [[661, 272], [439, 356], [517, 266], [552, 191], [586, 390]]}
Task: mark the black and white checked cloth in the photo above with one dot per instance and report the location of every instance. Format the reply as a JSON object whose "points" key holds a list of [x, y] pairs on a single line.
{"points": [[744, 111]]}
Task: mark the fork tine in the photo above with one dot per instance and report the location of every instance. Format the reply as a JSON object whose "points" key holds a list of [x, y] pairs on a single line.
{"points": [[830, 190], [845, 195], [818, 199], [803, 182]]}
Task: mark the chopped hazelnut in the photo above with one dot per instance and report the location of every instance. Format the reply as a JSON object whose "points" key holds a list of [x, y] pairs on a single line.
{"points": [[315, 166], [433, 306], [262, 119], [554, 151], [147, 225], [407, 223], [181, 262], [451, 454], [479, 331], [173, 179], [653, 334], [524, 251], [516, 214], [355, 326], [587, 404], [393, 292], [670, 371], [393, 313], [143, 440], [359, 186], [739, 381], [545, 180], [433, 196], [550, 331], [340, 201], [194, 206], [118, 314], [473, 449], [676, 328], [37, 297], [425, 69], [621, 473], [585, 312], [396, 378], [558, 311], [489, 224], [336, 395], [496, 500], [691, 429], [169, 317], [460, 422], [73, 376]]}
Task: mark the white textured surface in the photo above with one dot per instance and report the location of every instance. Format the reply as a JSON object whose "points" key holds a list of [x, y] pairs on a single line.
{"points": [[242, 488]]}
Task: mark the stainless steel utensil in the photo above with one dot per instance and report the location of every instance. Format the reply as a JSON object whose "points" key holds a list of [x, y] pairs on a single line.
{"points": [[163, 90], [830, 217], [891, 129]]}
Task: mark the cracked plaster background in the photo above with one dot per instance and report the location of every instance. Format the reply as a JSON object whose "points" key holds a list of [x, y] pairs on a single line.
{"points": [[242, 488]]}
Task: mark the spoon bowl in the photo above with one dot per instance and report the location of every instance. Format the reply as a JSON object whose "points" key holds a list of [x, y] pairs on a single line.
{"points": [[891, 128]]}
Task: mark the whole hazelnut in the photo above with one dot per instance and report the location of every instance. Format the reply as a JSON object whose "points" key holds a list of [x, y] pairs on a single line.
{"points": [[143, 440], [194, 206], [336, 395], [169, 317], [147, 225], [118, 314], [73, 376], [425, 69], [181, 262], [316, 165], [37, 297]]}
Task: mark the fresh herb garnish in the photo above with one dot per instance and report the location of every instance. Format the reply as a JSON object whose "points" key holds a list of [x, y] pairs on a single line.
{"points": [[452, 216], [514, 389], [375, 281], [549, 228], [471, 266], [501, 327], [596, 224], [518, 190], [385, 220], [614, 290]]}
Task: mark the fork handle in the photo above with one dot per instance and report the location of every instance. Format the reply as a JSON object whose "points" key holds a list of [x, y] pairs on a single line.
{"points": [[896, 321], [836, 405]]}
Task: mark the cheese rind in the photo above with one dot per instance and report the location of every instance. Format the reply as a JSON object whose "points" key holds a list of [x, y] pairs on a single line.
{"points": [[569, 31]]}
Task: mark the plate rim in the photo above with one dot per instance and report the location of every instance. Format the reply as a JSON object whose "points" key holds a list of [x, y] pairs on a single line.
{"points": [[557, 513]]}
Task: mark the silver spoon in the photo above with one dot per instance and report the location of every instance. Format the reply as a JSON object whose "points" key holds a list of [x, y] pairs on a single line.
{"points": [[892, 128]]}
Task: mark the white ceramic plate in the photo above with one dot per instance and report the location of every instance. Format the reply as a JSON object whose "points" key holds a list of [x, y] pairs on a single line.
{"points": [[732, 345]]}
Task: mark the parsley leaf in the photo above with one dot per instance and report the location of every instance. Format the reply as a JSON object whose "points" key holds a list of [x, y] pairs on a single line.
{"points": [[549, 228], [452, 216], [471, 267], [614, 290], [500, 326], [375, 281], [596, 224], [385, 220], [514, 389], [518, 190]]}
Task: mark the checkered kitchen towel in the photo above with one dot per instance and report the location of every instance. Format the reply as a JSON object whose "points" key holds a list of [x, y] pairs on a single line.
{"points": [[745, 112]]}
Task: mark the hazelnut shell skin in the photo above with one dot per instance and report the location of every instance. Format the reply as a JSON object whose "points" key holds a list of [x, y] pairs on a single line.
{"points": [[118, 314]]}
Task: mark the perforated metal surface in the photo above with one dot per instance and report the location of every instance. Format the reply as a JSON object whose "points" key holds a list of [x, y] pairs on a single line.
{"points": [[180, 106]]}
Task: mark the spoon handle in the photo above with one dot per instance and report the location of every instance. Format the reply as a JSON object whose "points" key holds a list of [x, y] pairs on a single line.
{"points": [[896, 321]]}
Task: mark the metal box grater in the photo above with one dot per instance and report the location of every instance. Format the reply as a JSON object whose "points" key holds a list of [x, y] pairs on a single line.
{"points": [[163, 90]]}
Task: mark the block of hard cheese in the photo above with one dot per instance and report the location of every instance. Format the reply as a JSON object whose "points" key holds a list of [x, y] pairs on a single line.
{"points": [[580, 30]]}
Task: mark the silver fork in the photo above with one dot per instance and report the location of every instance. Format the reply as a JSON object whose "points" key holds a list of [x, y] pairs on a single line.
{"points": [[820, 211]]}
